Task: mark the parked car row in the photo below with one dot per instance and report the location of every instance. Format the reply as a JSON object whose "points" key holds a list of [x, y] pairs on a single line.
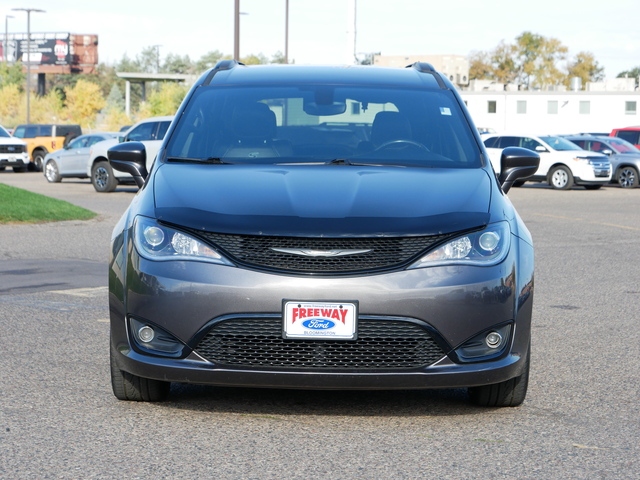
{"points": [[586, 159], [589, 160]]}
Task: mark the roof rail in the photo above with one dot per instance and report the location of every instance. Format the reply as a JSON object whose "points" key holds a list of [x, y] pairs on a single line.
{"points": [[424, 67], [220, 66]]}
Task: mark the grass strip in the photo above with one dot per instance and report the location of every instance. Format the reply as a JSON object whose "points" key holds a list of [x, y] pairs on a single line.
{"points": [[21, 206]]}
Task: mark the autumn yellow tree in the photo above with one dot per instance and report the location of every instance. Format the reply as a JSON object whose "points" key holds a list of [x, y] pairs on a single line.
{"points": [[167, 99], [83, 103], [10, 102], [585, 67]]}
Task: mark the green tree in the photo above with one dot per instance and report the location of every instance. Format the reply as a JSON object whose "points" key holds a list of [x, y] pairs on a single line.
{"points": [[12, 74], [208, 61], [585, 67], [177, 64], [115, 100], [278, 57], [252, 59], [633, 73]]}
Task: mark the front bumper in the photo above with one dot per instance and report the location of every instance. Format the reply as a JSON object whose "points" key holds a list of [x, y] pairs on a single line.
{"points": [[185, 298], [17, 160]]}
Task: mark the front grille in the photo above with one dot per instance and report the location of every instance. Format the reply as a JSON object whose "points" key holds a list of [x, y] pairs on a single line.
{"points": [[381, 252], [13, 149], [258, 342]]}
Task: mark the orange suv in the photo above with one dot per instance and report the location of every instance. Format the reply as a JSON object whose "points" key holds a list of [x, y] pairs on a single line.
{"points": [[42, 139]]}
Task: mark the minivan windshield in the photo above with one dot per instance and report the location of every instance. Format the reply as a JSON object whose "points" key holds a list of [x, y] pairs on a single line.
{"points": [[335, 124]]}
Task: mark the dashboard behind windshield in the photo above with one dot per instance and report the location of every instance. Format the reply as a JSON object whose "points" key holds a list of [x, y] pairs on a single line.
{"points": [[321, 123]]}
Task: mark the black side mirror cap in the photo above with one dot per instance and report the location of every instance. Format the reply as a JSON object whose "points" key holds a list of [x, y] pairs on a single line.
{"points": [[515, 164], [131, 158]]}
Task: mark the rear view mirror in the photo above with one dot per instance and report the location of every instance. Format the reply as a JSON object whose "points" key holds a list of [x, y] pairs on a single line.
{"points": [[324, 103], [335, 108]]}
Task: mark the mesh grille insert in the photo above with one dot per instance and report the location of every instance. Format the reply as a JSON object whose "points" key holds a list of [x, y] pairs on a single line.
{"points": [[380, 252], [258, 342]]}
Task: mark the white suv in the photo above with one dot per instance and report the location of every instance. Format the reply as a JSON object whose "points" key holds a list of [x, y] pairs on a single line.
{"points": [[150, 132], [562, 163]]}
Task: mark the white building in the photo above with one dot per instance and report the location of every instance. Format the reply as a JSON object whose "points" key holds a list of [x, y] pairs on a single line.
{"points": [[600, 108]]}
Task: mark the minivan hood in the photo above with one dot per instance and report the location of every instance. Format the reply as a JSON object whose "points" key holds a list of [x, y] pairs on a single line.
{"points": [[321, 200]]}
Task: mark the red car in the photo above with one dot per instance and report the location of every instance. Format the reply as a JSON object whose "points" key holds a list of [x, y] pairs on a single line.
{"points": [[630, 134]]}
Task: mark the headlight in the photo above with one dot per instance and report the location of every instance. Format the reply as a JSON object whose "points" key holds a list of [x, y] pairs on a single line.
{"points": [[487, 247], [158, 242]]}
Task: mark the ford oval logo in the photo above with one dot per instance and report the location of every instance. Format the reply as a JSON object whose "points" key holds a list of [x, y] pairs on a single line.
{"points": [[318, 324]]}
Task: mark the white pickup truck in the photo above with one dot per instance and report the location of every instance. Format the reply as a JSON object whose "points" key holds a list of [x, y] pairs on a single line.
{"points": [[150, 132]]}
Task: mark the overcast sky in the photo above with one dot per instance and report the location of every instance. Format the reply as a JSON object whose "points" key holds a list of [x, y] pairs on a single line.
{"points": [[318, 28]]}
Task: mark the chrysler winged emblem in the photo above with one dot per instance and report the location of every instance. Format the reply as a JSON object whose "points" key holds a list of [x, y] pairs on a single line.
{"points": [[305, 252]]}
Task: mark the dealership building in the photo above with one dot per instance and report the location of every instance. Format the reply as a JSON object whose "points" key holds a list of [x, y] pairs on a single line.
{"points": [[599, 107]]}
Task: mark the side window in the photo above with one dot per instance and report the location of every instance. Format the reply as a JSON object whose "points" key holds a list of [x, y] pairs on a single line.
{"points": [[582, 144], [509, 142], [31, 132], [20, 132], [491, 142], [162, 130], [629, 135], [79, 143], [45, 131], [93, 140], [142, 132]]}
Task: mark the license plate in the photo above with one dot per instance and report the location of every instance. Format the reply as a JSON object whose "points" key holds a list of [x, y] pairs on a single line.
{"points": [[320, 320]]}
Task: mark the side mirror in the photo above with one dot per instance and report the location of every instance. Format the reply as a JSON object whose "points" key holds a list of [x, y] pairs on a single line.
{"points": [[607, 151], [517, 163], [131, 158], [540, 148]]}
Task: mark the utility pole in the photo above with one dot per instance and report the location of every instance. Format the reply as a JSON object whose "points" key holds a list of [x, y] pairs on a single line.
{"points": [[286, 32], [6, 37], [28, 10]]}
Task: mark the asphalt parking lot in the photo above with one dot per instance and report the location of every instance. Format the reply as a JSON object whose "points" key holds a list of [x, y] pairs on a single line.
{"points": [[581, 418]]}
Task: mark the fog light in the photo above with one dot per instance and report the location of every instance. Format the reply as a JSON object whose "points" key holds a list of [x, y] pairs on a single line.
{"points": [[146, 334], [494, 340]]}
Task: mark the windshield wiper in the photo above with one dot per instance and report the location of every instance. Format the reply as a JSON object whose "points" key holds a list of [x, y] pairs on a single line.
{"points": [[339, 161], [210, 160]]}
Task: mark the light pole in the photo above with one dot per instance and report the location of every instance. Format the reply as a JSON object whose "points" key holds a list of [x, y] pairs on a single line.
{"points": [[286, 32], [157, 47], [236, 33], [28, 10], [6, 37]]}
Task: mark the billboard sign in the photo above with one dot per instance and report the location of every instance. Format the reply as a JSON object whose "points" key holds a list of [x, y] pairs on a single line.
{"points": [[44, 49]]}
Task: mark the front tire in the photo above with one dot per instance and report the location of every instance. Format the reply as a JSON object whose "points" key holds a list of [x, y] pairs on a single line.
{"points": [[51, 172], [133, 388], [102, 177], [561, 178], [627, 177], [510, 393]]}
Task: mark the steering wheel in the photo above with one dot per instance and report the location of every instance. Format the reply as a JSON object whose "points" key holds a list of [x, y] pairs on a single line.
{"points": [[402, 142]]}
